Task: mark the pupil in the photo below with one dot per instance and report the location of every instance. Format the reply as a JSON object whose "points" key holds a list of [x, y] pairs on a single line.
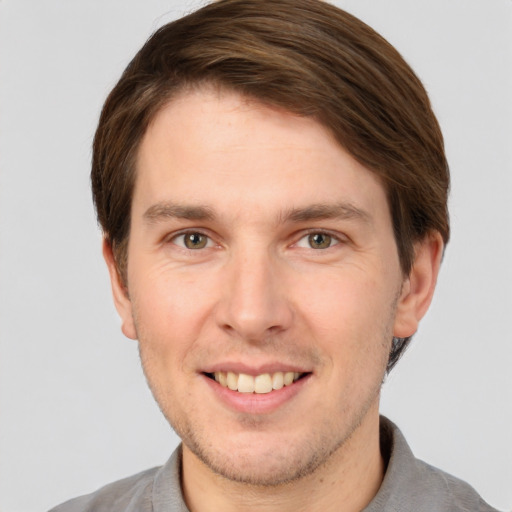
{"points": [[320, 241], [195, 241]]}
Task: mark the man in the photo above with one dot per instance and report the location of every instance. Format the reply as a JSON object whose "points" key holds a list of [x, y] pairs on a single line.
{"points": [[272, 187]]}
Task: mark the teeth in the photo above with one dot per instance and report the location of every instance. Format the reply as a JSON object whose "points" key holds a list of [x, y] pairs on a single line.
{"points": [[232, 381], [263, 383], [245, 383], [277, 380], [223, 378], [288, 378]]}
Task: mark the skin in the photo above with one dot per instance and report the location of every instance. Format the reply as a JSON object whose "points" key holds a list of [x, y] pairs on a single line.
{"points": [[248, 181]]}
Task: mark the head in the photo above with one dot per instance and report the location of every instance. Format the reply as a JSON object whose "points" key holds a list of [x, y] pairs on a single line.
{"points": [[264, 65], [308, 58]]}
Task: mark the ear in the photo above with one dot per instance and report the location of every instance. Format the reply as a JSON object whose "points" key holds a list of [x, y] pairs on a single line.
{"points": [[418, 288], [120, 293]]}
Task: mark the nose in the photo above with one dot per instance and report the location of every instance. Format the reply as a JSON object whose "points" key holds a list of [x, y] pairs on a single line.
{"points": [[254, 304]]}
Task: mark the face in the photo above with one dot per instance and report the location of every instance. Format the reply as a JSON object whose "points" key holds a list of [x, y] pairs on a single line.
{"points": [[264, 285]]}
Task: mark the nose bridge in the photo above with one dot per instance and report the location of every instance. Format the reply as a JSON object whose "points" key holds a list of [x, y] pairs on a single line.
{"points": [[254, 303]]}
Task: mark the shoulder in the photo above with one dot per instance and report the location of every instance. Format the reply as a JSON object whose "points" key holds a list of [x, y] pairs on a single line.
{"points": [[452, 493], [411, 484], [132, 493], [154, 489]]}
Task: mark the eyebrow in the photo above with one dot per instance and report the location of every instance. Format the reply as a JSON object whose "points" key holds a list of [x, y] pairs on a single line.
{"points": [[339, 211], [162, 211], [320, 211]]}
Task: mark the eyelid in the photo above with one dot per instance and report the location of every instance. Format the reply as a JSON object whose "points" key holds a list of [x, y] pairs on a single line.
{"points": [[337, 238], [171, 238]]}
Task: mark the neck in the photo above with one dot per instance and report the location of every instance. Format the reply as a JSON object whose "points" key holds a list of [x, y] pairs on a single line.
{"points": [[348, 481]]}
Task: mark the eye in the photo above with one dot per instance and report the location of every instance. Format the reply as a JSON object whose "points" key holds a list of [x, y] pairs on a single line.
{"points": [[318, 240], [192, 240]]}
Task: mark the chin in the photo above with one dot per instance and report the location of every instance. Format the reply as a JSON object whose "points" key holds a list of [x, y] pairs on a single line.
{"points": [[261, 469], [269, 462]]}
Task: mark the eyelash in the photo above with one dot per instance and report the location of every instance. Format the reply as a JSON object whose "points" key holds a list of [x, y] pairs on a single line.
{"points": [[334, 240], [182, 235]]}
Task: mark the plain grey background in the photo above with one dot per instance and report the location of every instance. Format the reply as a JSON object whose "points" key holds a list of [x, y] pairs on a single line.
{"points": [[75, 412]]}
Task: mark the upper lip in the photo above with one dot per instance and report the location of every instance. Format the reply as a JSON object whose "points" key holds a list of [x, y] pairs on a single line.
{"points": [[240, 367]]}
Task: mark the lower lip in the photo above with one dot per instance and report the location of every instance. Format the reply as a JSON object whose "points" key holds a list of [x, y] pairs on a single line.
{"points": [[256, 403]]}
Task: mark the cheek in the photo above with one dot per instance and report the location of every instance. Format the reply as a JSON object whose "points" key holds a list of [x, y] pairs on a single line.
{"points": [[170, 294], [345, 299], [351, 314], [170, 310]]}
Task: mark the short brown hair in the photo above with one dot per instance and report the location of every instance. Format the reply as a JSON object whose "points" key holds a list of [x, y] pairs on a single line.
{"points": [[307, 57]]}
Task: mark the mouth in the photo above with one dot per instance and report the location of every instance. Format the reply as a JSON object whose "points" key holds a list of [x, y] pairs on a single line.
{"points": [[261, 384]]}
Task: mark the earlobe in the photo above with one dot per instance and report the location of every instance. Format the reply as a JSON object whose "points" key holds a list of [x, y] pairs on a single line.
{"points": [[122, 301], [418, 288]]}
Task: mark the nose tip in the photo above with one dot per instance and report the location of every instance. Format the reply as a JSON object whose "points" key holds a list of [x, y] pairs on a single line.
{"points": [[255, 327], [255, 305]]}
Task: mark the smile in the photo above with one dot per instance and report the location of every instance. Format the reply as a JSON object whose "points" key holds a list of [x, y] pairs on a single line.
{"points": [[264, 383]]}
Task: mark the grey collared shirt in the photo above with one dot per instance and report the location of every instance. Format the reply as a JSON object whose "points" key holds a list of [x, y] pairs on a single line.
{"points": [[409, 485]]}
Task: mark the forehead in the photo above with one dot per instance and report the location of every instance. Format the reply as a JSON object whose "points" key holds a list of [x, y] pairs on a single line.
{"points": [[222, 150]]}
